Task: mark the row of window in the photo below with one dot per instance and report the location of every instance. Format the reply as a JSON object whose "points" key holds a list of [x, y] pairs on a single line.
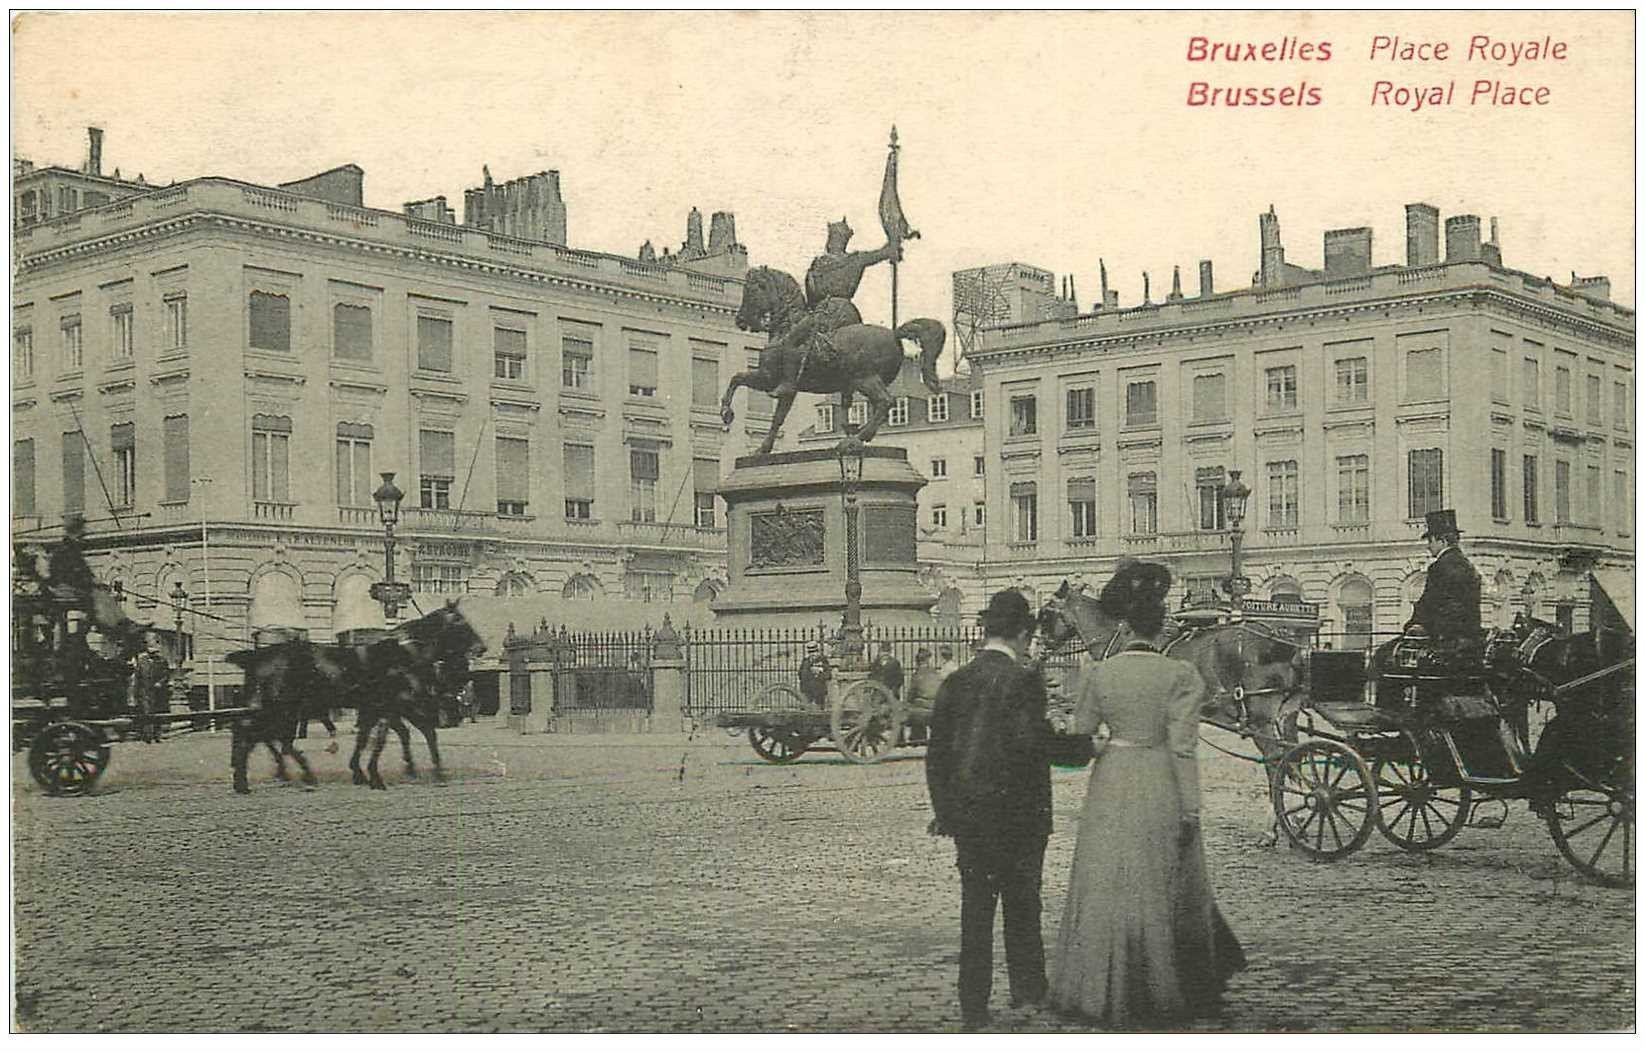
{"points": [[122, 329], [936, 411], [1565, 372], [437, 471], [1573, 503]]}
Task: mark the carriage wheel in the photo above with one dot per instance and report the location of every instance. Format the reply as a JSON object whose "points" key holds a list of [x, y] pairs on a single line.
{"points": [[866, 721], [1324, 798], [1594, 829], [66, 759], [1412, 811], [776, 745]]}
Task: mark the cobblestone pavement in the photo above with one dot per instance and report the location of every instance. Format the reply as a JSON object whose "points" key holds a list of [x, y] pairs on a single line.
{"points": [[627, 884]]}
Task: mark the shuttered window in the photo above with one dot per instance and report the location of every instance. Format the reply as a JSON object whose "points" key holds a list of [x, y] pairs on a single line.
{"points": [[1141, 491], [436, 467], [1082, 506], [642, 371], [74, 472], [434, 343], [579, 482], [513, 476], [352, 332], [1426, 469], [22, 476], [123, 441], [643, 470], [705, 382], [508, 353], [705, 475], [271, 322], [354, 487], [175, 438]]}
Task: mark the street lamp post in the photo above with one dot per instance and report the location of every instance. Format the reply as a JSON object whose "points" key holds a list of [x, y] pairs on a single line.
{"points": [[179, 600], [850, 455], [389, 592], [1234, 495], [204, 481]]}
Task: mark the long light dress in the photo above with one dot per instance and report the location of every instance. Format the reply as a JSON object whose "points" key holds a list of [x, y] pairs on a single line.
{"points": [[1142, 942]]}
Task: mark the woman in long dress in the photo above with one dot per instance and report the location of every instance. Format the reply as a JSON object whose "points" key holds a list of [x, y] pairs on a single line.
{"points": [[1142, 942]]}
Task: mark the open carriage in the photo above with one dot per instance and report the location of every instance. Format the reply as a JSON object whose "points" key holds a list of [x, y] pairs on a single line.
{"points": [[1411, 750]]}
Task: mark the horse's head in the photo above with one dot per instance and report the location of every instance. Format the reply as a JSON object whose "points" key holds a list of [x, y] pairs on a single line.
{"points": [[1053, 626], [455, 638], [770, 301]]}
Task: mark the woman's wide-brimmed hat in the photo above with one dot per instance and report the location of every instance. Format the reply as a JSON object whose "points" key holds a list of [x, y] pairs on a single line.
{"points": [[1131, 578]]}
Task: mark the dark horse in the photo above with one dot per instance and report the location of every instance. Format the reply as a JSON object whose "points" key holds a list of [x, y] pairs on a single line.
{"points": [[865, 358], [1252, 673], [392, 681]]}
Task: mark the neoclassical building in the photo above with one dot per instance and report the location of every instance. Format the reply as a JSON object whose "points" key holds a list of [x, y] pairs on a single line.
{"points": [[216, 373], [1353, 399]]}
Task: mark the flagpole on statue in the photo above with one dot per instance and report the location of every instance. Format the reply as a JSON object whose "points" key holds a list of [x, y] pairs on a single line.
{"points": [[892, 221]]}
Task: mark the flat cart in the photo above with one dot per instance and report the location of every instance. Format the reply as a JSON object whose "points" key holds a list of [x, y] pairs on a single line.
{"points": [[862, 719]]}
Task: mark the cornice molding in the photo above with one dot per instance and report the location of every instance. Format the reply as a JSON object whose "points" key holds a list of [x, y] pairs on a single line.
{"points": [[1483, 297], [28, 263]]}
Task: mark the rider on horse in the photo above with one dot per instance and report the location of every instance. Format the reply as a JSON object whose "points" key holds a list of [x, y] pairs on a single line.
{"points": [[830, 284]]}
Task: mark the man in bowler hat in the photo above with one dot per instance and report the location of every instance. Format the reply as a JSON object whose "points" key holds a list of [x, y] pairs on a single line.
{"points": [[989, 775]]}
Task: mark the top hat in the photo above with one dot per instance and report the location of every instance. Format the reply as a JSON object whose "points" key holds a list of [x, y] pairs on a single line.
{"points": [[1441, 523], [1007, 609]]}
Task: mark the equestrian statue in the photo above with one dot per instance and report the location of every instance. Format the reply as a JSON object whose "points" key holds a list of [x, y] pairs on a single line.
{"points": [[818, 342]]}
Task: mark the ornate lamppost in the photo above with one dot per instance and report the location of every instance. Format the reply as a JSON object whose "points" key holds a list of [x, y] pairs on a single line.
{"points": [[392, 594], [850, 455], [1234, 495], [179, 600]]}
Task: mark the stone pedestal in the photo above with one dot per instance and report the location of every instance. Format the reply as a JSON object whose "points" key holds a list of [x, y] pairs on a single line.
{"points": [[785, 518]]}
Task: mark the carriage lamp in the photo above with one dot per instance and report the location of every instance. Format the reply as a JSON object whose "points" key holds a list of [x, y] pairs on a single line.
{"points": [[1234, 495], [850, 455]]}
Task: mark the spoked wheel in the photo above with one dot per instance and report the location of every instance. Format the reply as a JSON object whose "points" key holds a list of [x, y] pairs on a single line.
{"points": [[1594, 828], [67, 759], [776, 744], [866, 721], [1411, 811], [1324, 798]]}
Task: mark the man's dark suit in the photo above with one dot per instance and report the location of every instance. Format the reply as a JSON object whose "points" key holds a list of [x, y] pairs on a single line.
{"points": [[1449, 606], [990, 782]]}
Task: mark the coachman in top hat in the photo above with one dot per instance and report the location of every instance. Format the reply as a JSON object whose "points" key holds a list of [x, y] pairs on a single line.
{"points": [[1447, 612]]}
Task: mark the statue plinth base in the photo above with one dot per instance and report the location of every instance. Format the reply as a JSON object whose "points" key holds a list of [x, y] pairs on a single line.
{"points": [[786, 541]]}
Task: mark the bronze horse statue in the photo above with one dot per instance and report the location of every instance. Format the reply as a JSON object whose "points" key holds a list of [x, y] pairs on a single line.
{"points": [[839, 354]]}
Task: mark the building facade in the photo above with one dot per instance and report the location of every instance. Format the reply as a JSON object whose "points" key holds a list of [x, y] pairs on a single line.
{"points": [[1353, 400], [216, 374]]}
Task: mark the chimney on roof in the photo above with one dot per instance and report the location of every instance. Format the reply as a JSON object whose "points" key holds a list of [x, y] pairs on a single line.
{"points": [[1491, 251], [1421, 235], [1461, 239], [1273, 252], [1073, 295], [1347, 252], [1110, 297], [94, 151], [1176, 285], [722, 233], [1596, 288], [1205, 277]]}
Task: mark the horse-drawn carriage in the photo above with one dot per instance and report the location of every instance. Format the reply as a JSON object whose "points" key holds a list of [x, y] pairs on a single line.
{"points": [[72, 650], [1411, 749], [862, 718]]}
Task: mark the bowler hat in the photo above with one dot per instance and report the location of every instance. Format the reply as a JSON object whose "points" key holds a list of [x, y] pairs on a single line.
{"points": [[1442, 523], [1008, 611]]}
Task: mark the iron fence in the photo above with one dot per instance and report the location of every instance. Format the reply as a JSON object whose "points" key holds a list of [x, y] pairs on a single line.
{"points": [[608, 670]]}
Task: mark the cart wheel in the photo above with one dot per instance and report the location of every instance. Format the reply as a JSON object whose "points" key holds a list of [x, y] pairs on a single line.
{"points": [[1324, 798], [866, 721], [1594, 829], [66, 759], [1412, 812], [776, 744]]}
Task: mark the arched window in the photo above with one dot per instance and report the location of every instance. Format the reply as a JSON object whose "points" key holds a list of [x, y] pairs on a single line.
{"points": [[1503, 599], [580, 587], [1356, 613], [1534, 594], [1284, 588], [515, 584], [276, 609]]}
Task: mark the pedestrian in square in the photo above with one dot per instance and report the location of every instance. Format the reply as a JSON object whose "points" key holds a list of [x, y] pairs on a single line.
{"points": [[1142, 942], [989, 775]]}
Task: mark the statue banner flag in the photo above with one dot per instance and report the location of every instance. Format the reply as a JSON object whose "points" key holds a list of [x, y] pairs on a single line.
{"points": [[892, 220]]}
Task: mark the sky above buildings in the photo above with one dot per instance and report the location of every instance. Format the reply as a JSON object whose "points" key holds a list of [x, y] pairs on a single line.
{"points": [[1046, 139]]}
